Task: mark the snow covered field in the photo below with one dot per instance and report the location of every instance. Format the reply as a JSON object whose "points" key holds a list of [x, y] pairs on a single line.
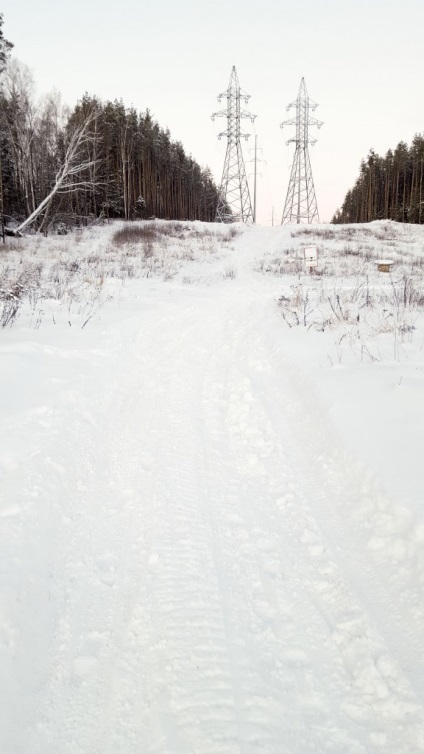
{"points": [[212, 491]]}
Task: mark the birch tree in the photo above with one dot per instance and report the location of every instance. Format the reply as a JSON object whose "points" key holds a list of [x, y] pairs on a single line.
{"points": [[75, 164], [5, 48]]}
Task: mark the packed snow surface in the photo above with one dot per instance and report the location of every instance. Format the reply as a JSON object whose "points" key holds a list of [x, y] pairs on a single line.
{"points": [[212, 495]]}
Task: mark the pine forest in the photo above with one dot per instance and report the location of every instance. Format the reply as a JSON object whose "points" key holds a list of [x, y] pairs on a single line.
{"points": [[98, 160], [389, 187]]}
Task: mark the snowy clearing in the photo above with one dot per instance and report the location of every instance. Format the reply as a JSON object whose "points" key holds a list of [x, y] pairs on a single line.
{"points": [[212, 491]]}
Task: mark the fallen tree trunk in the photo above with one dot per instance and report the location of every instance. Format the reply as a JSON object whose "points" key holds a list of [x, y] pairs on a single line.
{"points": [[74, 163], [12, 232]]}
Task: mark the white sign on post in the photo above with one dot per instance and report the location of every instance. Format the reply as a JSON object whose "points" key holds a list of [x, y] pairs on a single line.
{"points": [[311, 256]]}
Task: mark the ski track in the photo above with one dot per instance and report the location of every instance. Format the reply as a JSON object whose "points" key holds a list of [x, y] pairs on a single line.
{"points": [[214, 585]]}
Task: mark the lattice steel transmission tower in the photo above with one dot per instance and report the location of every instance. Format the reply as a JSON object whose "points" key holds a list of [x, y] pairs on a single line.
{"points": [[301, 203], [234, 204]]}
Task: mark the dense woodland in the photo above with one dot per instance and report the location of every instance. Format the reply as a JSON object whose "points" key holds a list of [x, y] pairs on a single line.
{"points": [[126, 165], [389, 187]]}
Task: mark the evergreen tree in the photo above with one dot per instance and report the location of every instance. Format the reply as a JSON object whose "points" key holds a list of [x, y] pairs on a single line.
{"points": [[132, 168], [390, 187], [5, 46]]}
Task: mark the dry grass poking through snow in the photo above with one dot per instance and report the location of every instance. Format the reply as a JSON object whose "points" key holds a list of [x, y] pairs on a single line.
{"points": [[346, 251], [74, 275], [347, 294]]}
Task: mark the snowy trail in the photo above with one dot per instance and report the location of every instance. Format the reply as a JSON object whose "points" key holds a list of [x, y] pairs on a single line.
{"points": [[213, 587]]}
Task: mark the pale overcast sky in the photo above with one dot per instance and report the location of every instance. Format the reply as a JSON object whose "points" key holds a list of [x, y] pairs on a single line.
{"points": [[362, 62]]}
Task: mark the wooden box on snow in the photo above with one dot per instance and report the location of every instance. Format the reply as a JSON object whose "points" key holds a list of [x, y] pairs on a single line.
{"points": [[384, 265]]}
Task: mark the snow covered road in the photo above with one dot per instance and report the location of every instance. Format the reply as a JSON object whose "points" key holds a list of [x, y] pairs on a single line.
{"points": [[190, 559]]}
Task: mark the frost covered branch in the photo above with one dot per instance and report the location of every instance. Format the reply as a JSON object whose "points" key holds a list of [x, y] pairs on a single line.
{"points": [[74, 163]]}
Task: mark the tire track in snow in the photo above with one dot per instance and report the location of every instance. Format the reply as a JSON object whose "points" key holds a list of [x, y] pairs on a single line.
{"points": [[218, 616], [162, 675], [381, 690], [194, 705], [104, 566], [263, 585]]}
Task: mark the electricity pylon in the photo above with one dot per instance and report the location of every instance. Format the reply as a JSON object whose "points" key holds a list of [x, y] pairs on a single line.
{"points": [[301, 203], [234, 203]]}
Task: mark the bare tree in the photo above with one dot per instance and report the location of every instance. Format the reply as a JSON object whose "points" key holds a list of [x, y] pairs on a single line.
{"points": [[21, 120], [5, 47], [70, 176]]}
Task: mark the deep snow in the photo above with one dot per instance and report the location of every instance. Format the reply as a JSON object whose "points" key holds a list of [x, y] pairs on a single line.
{"points": [[211, 522]]}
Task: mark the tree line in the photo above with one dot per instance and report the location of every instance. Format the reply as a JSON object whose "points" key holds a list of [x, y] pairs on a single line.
{"points": [[126, 165], [389, 187]]}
